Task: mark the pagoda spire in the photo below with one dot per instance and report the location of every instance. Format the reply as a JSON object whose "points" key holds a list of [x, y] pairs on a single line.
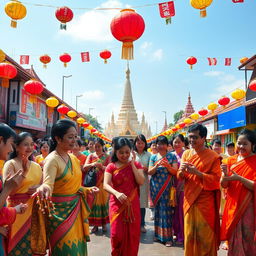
{"points": [[189, 109]]}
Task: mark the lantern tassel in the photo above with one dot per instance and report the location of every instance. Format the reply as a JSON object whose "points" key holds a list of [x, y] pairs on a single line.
{"points": [[191, 66], [65, 64], [127, 51], [63, 26], [32, 98], [105, 61], [5, 83], [168, 20], [203, 13], [13, 23], [45, 66]]}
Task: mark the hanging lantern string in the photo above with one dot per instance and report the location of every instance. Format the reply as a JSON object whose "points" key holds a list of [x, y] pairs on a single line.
{"points": [[92, 9]]}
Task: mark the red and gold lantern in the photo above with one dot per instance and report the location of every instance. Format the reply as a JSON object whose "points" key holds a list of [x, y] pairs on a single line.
{"points": [[182, 125], [65, 58], [191, 61], [127, 26], [224, 101], [252, 85], [203, 112], [105, 54], [7, 72], [45, 59], [64, 15], [62, 109], [33, 87]]}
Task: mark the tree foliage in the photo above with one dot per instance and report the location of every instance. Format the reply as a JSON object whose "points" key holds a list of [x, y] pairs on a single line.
{"points": [[94, 122], [177, 116]]}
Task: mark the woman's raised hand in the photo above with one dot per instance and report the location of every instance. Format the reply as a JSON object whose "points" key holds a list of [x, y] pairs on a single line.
{"points": [[13, 181]]}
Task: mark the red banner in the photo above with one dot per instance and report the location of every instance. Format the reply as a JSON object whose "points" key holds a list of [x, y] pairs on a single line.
{"points": [[24, 59], [228, 61], [237, 1], [167, 9], [212, 61], [85, 56]]}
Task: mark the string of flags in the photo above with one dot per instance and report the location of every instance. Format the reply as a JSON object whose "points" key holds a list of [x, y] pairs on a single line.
{"points": [[85, 57]]}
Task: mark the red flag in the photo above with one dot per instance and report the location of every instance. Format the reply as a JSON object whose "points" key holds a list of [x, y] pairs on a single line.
{"points": [[237, 1], [212, 61], [85, 56], [227, 61], [24, 59], [167, 9]]}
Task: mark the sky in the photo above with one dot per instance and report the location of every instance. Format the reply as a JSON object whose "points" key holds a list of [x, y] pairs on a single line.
{"points": [[160, 77]]}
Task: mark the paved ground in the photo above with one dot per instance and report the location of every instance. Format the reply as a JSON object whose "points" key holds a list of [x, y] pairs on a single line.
{"points": [[100, 245]]}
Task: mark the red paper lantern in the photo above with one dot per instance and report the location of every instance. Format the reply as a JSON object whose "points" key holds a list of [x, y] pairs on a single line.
{"points": [[7, 72], [127, 26], [45, 59], [182, 125], [93, 130], [64, 15], [252, 85], [33, 87], [62, 109], [191, 61], [203, 112], [223, 101], [85, 124], [65, 58], [174, 129], [105, 54]]}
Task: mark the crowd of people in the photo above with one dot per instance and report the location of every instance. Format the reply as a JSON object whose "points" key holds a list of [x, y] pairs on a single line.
{"points": [[54, 195]]}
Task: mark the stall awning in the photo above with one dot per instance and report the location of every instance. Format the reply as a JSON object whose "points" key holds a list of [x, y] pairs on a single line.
{"points": [[223, 132]]}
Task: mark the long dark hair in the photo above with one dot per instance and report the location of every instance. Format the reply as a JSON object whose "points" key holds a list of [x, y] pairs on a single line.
{"points": [[251, 136], [59, 129], [119, 143], [142, 138], [20, 138], [101, 142], [181, 137], [7, 132]]}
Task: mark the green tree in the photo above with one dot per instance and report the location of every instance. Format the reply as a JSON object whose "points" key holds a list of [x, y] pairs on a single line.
{"points": [[93, 121], [177, 116]]}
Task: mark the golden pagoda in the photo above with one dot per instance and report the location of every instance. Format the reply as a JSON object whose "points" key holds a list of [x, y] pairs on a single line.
{"points": [[127, 124]]}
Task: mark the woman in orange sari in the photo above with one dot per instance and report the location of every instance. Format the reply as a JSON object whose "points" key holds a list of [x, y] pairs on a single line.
{"points": [[122, 179], [44, 149], [20, 230], [99, 213], [239, 180]]}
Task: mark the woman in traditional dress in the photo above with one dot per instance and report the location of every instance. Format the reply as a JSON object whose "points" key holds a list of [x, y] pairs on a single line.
{"points": [[163, 168], [67, 228], [20, 230], [81, 157], [44, 150], [8, 214], [178, 143], [143, 156], [122, 180], [99, 159], [239, 180]]}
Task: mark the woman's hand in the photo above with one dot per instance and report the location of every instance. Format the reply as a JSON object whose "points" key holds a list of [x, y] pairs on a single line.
{"points": [[94, 190], [21, 208], [4, 231], [121, 197], [32, 190], [165, 163], [133, 157], [13, 181], [98, 165], [43, 191]]}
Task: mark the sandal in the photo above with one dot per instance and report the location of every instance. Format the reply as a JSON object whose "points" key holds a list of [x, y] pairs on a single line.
{"points": [[169, 244], [94, 229]]}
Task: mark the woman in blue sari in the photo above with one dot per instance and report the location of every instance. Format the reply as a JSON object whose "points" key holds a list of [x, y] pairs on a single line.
{"points": [[163, 168]]}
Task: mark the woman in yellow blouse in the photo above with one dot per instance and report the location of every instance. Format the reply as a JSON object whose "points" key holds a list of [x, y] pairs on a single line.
{"points": [[67, 229], [44, 149]]}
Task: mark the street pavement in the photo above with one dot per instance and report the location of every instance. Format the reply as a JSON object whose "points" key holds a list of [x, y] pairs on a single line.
{"points": [[100, 244]]}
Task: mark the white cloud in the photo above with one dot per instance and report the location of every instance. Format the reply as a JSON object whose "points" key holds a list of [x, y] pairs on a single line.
{"points": [[213, 73], [158, 54], [93, 95], [93, 25]]}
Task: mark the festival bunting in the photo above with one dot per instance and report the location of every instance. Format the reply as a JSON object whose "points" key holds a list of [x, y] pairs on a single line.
{"points": [[237, 1], [167, 10], [228, 61], [24, 59], [212, 61], [85, 57]]}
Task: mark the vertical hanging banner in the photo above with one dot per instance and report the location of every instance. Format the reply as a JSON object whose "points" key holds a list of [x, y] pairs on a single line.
{"points": [[212, 61], [24, 59], [237, 1], [167, 10], [228, 61], [85, 57]]}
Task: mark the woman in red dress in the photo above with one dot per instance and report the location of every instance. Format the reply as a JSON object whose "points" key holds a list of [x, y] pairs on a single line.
{"points": [[122, 180]]}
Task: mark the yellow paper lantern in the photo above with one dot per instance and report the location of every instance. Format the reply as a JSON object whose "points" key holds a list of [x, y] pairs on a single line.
{"points": [[243, 60], [71, 114], [16, 11], [89, 127], [80, 120], [238, 94], [52, 102], [177, 126], [212, 106], [194, 116], [201, 5], [2, 56], [187, 121]]}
